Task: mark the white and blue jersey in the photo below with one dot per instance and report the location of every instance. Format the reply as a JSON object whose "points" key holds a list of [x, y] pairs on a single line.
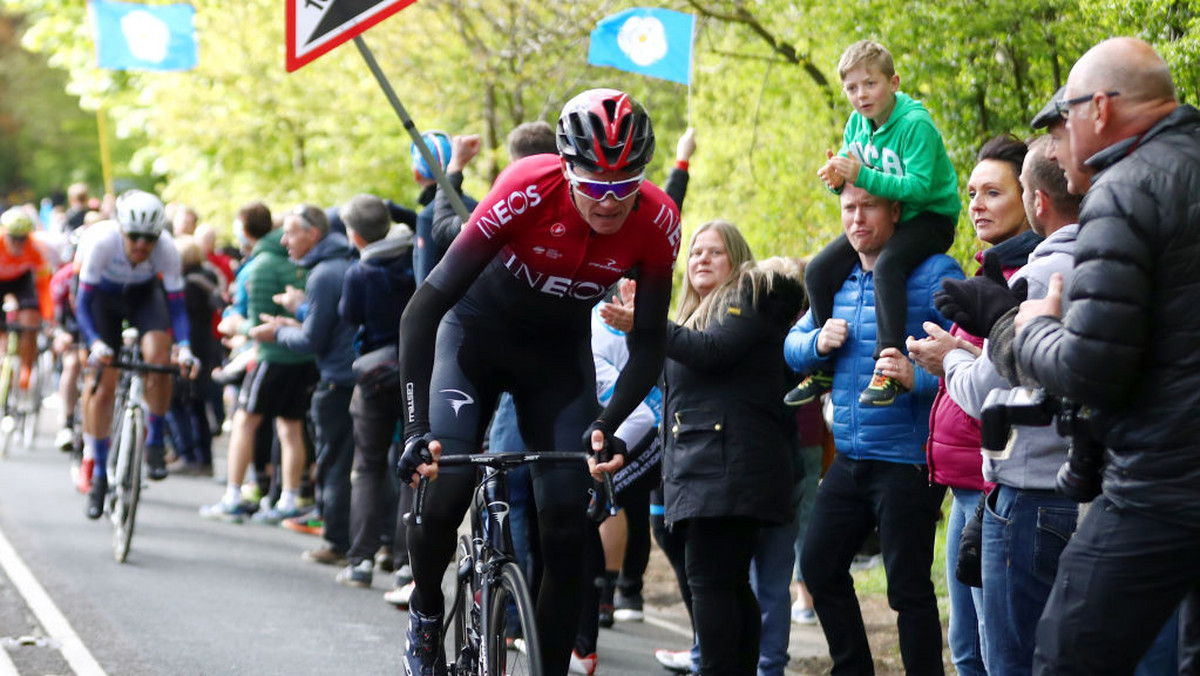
{"points": [[105, 270]]}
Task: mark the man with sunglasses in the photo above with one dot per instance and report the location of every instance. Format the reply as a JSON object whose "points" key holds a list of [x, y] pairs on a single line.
{"points": [[508, 309], [25, 275], [1126, 349], [129, 271]]}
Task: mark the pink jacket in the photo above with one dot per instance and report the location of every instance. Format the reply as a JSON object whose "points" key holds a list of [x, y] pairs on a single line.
{"points": [[952, 450]]}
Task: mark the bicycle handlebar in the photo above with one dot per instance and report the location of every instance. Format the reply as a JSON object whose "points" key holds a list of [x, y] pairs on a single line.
{"points": [[505, 461]]}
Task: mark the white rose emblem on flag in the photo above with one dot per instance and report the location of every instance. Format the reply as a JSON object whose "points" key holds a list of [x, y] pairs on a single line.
{"points": [[643, 40], [146, 35]]}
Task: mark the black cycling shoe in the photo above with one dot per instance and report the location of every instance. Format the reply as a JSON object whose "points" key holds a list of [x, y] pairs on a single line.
{"points": [[423, 654], [156, 463], [95, 498]]}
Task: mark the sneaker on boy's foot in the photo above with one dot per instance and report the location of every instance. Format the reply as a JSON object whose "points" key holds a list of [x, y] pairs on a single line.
{"points": [[585, 665], [399, 596], [802, 615], [225, 511], [679, 661], [813, 386], [403, 576], [628, 608], [357, 575], [325, 555], [423, 651], [882, 391]]}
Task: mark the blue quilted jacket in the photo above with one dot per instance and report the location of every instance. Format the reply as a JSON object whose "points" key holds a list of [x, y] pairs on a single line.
{"points": [[893, 433]]}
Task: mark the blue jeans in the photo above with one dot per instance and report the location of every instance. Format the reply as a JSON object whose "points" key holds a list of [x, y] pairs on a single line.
{"points": [[770, 577], [811, 457], [1024, 532], [335, 457], [966, 621]]}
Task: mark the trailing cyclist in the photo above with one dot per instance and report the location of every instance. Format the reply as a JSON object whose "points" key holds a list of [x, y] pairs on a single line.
{"points": [[129, 271], [25, 275], [513, 299]]}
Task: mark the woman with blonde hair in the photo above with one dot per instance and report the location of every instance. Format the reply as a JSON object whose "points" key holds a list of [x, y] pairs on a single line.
{"points": [[729, 440]]}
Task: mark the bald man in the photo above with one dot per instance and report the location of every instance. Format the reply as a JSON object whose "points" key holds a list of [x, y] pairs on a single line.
{"points": [[1128, 350]]}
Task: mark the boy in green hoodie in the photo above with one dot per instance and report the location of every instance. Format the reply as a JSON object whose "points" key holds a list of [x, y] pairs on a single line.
{"points": [[891, 149]]}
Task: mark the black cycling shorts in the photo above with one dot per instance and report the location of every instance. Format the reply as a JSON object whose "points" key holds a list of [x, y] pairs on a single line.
{"points": [[22, 289], [553, 383], [144, 306], [279, 390]]}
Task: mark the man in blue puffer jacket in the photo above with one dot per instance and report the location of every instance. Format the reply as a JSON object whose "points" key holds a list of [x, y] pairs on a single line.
{"points": [[878, 479]]}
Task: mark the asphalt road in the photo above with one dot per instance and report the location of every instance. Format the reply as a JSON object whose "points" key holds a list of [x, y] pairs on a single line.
{"points": [[197, 597]]}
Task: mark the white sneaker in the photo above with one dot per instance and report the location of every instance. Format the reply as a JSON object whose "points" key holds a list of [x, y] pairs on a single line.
{"points": [[582, 665], [64, 439], [801, 615], [400, 595], [679, 661]]}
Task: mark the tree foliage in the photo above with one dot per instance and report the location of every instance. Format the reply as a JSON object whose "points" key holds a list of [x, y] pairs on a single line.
{"points": [[765, 101]]}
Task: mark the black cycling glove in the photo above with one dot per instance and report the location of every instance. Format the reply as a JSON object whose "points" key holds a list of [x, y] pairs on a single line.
{"points": [[416, 453], [976, 303], [613, 446]]}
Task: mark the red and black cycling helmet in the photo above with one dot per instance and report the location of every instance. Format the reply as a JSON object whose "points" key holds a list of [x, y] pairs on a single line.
{"points": [[605, 130]]}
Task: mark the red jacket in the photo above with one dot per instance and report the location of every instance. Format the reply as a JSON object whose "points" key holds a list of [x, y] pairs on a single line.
{"points": [[952, 450]]}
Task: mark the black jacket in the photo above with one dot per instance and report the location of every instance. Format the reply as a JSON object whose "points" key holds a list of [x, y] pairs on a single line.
{"points": [[729, 440], [1129, 345]]}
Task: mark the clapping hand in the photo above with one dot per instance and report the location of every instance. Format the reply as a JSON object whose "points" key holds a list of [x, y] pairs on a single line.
{"points": [[976, 303]]}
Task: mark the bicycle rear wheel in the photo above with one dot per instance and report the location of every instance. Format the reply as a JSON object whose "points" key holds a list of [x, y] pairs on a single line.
{"points": [[130, 449], [505, 658]]}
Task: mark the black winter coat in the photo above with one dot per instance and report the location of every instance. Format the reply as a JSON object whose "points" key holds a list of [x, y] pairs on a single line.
{"points": [[730, 441], [1129, 345]]}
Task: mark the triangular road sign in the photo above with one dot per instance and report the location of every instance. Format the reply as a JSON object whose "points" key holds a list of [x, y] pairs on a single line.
{"points": [[316, 26]]}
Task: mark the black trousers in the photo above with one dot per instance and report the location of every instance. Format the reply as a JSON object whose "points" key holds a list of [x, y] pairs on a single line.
{"points": [[915, 240], [1119, 580], [717, 554], [374, 490], [854, 498]]}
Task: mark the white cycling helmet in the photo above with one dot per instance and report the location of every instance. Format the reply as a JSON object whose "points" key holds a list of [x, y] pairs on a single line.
{"points": [[140, 213]]}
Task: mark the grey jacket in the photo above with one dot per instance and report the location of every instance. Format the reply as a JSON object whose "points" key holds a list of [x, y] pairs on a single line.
{"points": [[1037, 452]]}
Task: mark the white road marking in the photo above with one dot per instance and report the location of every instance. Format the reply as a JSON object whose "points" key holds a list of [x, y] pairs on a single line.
{"points": [[7, 668], [48, 614]]}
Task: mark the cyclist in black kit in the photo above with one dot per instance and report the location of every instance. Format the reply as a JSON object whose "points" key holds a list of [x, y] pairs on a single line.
{"points": [[508, 309]]}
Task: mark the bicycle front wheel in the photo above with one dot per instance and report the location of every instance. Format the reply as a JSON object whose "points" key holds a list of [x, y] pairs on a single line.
{"points": [[510, 617], [130, 449]]}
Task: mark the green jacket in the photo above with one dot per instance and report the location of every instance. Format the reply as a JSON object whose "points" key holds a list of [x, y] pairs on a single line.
{"points": [[272, 273], [904, 160]]}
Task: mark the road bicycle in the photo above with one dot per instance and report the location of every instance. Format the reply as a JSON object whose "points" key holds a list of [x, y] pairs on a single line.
{"points": [[18, 410], [128, 439], [489, 640]]}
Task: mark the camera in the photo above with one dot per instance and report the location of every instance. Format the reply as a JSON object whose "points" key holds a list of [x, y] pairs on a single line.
{"points": [[1079, 478]]}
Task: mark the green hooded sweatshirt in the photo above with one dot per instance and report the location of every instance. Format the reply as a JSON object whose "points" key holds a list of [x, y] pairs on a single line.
{"points": [[272, 273], [904, 160]]}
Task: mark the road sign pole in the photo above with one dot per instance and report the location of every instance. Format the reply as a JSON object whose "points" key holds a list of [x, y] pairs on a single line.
{"points": [[430, 161]]}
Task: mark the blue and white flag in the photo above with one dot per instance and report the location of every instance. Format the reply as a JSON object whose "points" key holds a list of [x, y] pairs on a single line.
{"points": [[130, 36], [646, 40]]}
